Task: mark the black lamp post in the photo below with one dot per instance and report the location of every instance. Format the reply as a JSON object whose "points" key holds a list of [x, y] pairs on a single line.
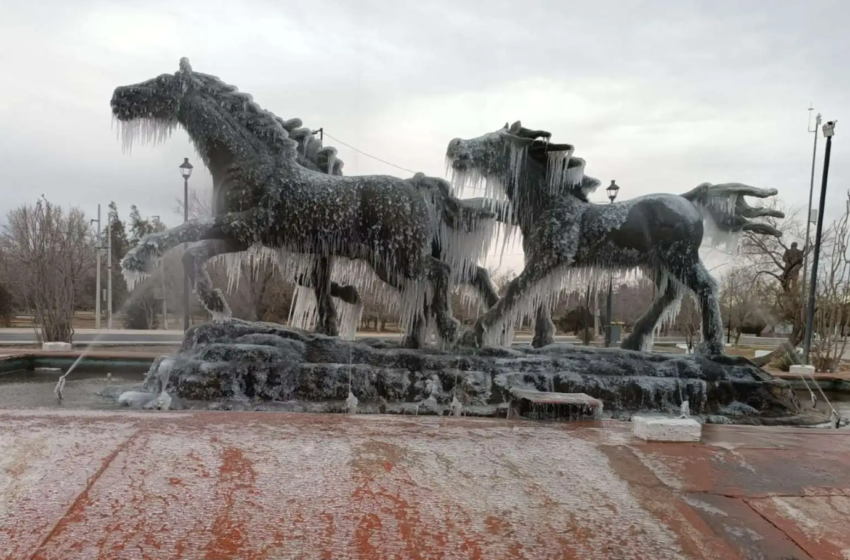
{"points": [[613, 190], [186, 172], [828, 132]]}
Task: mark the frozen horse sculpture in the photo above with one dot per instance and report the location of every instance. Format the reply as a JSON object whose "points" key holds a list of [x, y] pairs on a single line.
{"points": [[308, 311], [539, 186], [383, 220], [469, 233], [311, 154]]}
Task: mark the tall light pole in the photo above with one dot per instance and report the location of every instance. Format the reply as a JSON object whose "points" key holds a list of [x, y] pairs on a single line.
{"points": [[828, 132], [109, 272], [162, 278], [186, 172], [98, 296], [809, 213], [612, 190]]}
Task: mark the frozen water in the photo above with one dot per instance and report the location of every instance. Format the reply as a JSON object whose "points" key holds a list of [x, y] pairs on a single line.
{"points": [[144, 131]]}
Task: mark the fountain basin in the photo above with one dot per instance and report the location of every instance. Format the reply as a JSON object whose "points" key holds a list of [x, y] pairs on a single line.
{"points": [[239, 361]]}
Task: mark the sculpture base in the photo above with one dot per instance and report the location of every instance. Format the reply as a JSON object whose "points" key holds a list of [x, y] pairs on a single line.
{"points": [[239, 364]]}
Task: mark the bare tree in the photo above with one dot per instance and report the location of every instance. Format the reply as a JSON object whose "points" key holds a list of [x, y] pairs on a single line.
{"points": [[50, 253], [200, 204], [689, 322], [763, 255], [742, 294], [831, 320]]}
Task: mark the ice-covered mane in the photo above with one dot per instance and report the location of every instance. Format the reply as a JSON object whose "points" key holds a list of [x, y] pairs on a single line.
{"points": [[243, 110]]}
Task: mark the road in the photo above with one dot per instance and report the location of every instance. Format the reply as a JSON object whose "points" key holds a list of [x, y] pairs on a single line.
{"points": [[121, 337], [93, 336]]}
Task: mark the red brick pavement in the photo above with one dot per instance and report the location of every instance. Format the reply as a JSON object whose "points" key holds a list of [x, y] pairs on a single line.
{"points": [[206, 485]]}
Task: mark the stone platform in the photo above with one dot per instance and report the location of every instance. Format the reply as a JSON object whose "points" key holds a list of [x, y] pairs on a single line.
{"points": [[80, 485], [243, 362]]}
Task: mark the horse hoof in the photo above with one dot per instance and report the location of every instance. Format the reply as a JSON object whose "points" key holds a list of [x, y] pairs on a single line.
{"points": [[542, 341]]}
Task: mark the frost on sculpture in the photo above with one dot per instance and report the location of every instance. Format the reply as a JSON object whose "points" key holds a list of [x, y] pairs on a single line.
{"points": [[540, 187], [408, 231]]}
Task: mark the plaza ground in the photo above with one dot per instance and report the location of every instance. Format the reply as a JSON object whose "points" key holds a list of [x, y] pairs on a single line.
{"points": [[115, 485]]}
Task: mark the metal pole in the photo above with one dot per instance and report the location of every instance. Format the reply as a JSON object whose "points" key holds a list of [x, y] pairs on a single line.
{"points": [[809, 214], [109, 274], [608, 305], [162, 278], [185, 247], [818, 233], [164, 298], [608, 310], [98, 296], [728, 318], [584, 316]]}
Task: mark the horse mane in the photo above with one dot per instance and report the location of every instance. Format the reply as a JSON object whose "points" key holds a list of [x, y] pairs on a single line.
{"points": [[285, 138], [564, 173], [262, 124]]}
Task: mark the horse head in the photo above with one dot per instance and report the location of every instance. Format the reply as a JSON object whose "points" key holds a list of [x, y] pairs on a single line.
{"points": [[514, 162], [225, 125]]}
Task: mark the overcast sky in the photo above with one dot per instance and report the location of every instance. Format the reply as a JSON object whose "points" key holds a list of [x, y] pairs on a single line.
{"points": [[659, 95]]}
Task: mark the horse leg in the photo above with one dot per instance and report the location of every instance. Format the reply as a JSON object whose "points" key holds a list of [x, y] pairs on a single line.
{"points": [[194, 260], [544, 328], [480, 280], [237, 225], [414, 307], [326, 322], [696, 277], [641, 338], [535, 270], [441, 304]]}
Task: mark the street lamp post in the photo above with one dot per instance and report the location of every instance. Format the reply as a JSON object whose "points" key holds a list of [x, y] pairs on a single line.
{"points": [[98, 296], [157, 224], [828, 132], [612, 190], [809, 213], [186, 172]]}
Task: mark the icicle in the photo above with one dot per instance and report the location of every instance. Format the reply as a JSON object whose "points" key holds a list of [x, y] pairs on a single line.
{"points": [[457, 407], [463, 249], [351, 403], [145, 131], [556, 169], [304, 312], [133, 278], [575, 172], [348, 318]]}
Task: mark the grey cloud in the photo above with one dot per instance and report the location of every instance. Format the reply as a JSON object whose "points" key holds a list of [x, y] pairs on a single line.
{"points": [[673, 92]]}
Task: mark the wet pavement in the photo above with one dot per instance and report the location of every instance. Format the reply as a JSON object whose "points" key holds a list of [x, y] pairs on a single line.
{"points": [[80, 484]]}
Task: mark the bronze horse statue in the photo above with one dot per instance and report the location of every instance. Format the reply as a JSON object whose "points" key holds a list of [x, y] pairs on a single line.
{"points": [[395, 225], [539, 186]]}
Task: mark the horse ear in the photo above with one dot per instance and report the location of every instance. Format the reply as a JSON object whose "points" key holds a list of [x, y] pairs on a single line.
{"points": [[185, 67], [507, 126], [515, 128]]}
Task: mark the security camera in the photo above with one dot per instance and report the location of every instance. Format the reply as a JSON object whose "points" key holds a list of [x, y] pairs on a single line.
{"points": [[829, 129]]}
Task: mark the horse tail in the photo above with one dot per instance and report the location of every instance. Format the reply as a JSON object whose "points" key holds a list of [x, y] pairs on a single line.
{"points": [[724, 208]]}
